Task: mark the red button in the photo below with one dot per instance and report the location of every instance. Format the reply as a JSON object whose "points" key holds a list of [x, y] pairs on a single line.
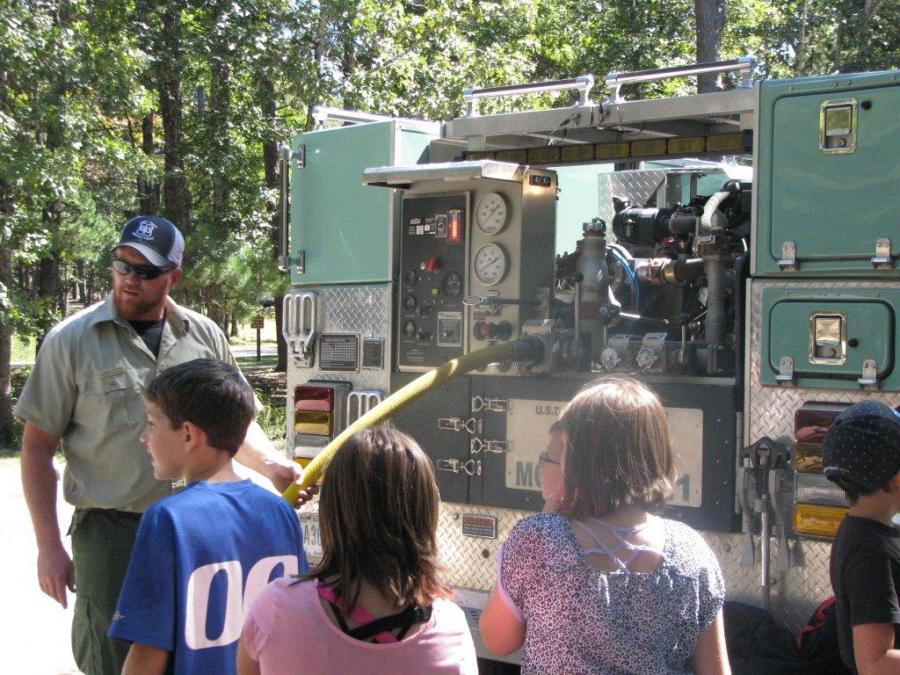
{"points": [[433, 264], [488, 330]]}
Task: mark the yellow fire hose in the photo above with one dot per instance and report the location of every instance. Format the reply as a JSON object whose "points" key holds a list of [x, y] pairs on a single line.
{"points": [[518, 350]]}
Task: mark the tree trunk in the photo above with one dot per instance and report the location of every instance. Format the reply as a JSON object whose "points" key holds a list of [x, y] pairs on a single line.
{"points": [[863, 36], [270, 168], [63, 293], [148, 190], [219, 112], [169, 67], [320, 51], [711, 16], [6, 280], [49, 283], [802, 46], [348, 50]]}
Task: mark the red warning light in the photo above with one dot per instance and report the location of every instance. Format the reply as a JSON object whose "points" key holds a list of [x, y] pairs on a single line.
{"points": [[454, 234]]}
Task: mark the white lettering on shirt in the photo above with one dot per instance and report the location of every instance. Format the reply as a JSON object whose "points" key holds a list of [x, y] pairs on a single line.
{"points": [[237, 603]]}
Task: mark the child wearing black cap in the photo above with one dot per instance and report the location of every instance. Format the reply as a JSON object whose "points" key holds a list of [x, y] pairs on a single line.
{"points": [[861, 454]]}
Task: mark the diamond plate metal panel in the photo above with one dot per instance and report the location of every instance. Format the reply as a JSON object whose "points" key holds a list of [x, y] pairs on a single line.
{"points": [[798, 592], [361, 310], [771, 409], [794, 594], [636, 186], [471, 562], [770, 412], [605, 210]]}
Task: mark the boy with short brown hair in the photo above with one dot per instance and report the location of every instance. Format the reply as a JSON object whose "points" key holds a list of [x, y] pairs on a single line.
{"points": [[201, 555]]}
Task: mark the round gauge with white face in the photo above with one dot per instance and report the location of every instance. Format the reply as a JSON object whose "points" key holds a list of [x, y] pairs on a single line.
{"points": [[492, 213], [490, 264]]}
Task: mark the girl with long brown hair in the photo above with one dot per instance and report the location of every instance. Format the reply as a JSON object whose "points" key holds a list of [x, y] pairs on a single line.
{"points": [[374, 603], [600, 583]]}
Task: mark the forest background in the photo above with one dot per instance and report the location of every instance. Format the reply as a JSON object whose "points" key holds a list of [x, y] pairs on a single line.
{"points": [[110, 108]]}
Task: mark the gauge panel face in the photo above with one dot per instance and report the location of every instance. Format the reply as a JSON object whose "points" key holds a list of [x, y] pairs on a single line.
{"points": [[434, 244], [492, 213], [490, 264]]}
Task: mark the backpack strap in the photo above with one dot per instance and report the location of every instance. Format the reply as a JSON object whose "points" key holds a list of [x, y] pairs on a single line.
{"points": [[816, 621], [403, 620], [359, 614], [371, 628]]}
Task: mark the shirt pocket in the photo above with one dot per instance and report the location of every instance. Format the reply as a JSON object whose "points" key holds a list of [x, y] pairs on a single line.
{"points": [[112, 399]]}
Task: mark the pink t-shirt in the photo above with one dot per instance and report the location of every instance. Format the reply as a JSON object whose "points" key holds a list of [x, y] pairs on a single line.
{"points": [[287, 631]]}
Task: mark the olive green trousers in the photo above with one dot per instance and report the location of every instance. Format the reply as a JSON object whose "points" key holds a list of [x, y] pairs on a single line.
{"points": [[102, 540]]}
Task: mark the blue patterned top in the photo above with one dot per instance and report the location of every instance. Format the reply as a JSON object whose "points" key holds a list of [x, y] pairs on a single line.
{"points": [[580, 619]]}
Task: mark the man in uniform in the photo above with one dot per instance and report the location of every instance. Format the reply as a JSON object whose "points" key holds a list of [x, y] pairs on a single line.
{"points": [[85, 397]]}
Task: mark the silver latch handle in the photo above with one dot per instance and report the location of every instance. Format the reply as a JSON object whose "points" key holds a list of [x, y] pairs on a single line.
{"points": [[308, 321], [300, 320], [583, 83]]}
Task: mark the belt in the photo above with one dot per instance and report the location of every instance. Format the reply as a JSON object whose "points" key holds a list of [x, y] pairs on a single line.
{"points": [[112, 513]]}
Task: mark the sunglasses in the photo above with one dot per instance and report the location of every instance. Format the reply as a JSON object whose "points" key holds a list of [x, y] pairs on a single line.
{"points": [[143, 272], [544, 458]]}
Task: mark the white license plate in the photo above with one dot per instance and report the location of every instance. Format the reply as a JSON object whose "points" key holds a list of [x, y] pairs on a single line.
{"points": [[312, 542]]}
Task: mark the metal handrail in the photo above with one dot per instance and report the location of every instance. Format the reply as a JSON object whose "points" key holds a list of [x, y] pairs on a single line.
{"points": [[583, 83], [284, 166], [322, 113], [746, 64]]}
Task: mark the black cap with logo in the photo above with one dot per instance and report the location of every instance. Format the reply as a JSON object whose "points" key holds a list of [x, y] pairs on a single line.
{"points": [[154, 237]]}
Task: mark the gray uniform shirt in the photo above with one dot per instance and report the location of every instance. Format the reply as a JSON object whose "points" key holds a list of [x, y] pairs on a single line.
{"points": [[87, 388]]}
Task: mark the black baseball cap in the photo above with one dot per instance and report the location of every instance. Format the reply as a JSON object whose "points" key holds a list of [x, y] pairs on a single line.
{"points": [[862, 447], [154, 237]]}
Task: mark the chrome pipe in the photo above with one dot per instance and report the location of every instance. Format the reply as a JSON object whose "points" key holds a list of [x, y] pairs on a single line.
{"points": [[323, 113], [614, 80], [583, 83], [284, 167]]}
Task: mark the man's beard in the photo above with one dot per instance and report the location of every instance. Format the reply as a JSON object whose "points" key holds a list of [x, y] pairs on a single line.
{"points": [[132, 307]]}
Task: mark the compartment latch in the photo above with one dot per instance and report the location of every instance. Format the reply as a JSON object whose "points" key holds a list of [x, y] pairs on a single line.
{"points": [[788, 260], [476, 445], [828, 338], [471, 467], [882, 260], [869, 374], [837, 127], [472, 425], [480, 403], [785, 370]]}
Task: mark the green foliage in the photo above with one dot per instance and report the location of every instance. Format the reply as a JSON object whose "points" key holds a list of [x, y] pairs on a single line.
{"points": [[19, 375], [83, 75], [273, 416]]}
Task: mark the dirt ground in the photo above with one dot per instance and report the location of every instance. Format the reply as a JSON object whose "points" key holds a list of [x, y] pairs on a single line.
{"points": [[34, 630]]}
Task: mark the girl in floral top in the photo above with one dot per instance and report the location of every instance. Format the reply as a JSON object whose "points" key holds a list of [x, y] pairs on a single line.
{"points": [[599, 583]]}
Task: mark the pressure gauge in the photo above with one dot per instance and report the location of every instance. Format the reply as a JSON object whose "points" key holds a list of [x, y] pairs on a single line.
{"points": [[492, 213], [491, 264]]}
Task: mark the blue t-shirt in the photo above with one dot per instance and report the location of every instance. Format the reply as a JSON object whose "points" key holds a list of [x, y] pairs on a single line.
{"points": [[200, 558]]}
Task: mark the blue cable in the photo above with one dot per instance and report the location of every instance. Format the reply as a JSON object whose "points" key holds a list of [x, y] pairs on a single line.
{"points": [[631, 275]]}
